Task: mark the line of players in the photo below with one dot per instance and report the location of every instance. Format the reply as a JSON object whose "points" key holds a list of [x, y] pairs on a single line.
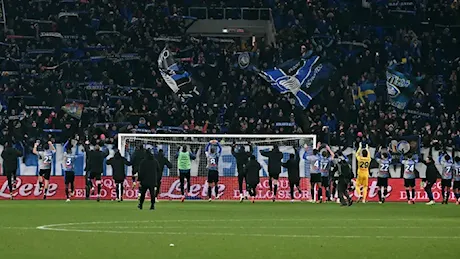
{"points": [[322, 167], [320, 172]]}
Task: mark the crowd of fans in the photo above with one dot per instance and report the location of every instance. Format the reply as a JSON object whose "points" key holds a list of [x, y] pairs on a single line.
{"points": [[103, 54]]}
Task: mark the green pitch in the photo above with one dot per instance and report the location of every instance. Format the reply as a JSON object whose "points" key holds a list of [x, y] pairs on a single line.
{"points": [[87, 229]]}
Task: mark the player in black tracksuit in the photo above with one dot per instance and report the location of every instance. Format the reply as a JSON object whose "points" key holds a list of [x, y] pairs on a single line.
{"points": [[292, 165], [274, 167], [136, 159], [252, 176], [242, 159], [96, 159], [432, 174], [118, 164], [162, 162], [148, 177], [344, 180], [10, 165]]}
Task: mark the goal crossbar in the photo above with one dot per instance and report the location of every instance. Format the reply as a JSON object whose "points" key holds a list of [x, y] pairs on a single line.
{"points": [[275, 137]]}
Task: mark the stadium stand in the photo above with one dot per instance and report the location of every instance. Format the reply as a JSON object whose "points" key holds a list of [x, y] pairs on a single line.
{"points": [[90, 68]]}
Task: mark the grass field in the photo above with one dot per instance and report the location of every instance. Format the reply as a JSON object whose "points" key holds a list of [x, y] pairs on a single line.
{"points": [[87, 229]]}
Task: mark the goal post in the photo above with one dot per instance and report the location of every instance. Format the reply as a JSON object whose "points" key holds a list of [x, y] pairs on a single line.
{"points": [[228, 181]]}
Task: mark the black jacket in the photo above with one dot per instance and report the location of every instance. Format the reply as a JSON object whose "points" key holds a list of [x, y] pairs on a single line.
{"points": [[95, 160], [292, 165], [118, 163], [252, 172], [148, 171], [432, 172], [242, 159], [162, 162], [345, 174], [137, 158], [274, 160], [10, 159]]}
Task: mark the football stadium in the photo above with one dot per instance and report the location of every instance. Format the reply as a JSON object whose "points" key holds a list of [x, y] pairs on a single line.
{"points": [[229, 129]]}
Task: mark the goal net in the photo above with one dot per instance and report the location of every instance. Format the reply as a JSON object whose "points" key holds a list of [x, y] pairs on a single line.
{"points": [[227, 166]]}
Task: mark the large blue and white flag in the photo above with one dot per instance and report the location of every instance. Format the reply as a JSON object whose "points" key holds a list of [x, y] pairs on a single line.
{"points": [[303, 78], [173, 74], [401, 84]]}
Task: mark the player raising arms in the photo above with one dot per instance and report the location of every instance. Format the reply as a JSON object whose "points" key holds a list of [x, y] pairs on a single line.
{"points": [[409, 176], [274, 167], [45, 158], [446, 176], [184, 163], [213, 151], [96, 160], [69, 162], [118, 163], [315, 175], [457, 179], [252, 170], [384, 161], [162, 162], [292, 165], [242, 158], [325, 164], [362, 181], [136, 159]]}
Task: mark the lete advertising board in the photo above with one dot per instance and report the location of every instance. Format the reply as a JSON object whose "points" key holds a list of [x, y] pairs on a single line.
{"points": [[28, 189]]}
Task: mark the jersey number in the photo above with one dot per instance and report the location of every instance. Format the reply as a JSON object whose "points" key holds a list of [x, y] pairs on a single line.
{"points": [[47, 159], [364, 165], [409, 168], [448, 168], [316, 164], [68, 161], [213, 161], [324, 166], [384, 167]]}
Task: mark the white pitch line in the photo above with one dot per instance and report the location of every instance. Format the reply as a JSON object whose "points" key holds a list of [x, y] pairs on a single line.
{"points": [[277, 227], [59, 227], [245, 235], [19, 228], [244, 220]]}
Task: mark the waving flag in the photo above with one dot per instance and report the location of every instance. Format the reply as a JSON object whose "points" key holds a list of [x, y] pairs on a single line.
{"points": [[401, 84], [364, 93], [303, 78], [74, 109], [174, 76]]}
